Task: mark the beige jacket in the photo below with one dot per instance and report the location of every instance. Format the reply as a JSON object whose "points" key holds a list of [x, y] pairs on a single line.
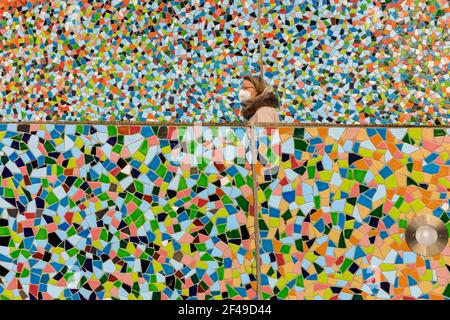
{"points": [[262, 108], [264, 114]]}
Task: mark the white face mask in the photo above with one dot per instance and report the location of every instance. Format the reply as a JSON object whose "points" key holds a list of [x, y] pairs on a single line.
{"points": [[244, 95]]}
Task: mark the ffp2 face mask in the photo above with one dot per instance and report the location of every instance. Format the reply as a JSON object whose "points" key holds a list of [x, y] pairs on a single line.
{"points": [[244, 95]]}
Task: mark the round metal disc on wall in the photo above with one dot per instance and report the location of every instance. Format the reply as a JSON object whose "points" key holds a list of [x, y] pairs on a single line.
{"points": [[427, 235]]}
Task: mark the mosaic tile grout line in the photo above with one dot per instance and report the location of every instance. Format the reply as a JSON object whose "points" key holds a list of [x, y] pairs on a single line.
{"points": [[257, 240], [253, 148]]}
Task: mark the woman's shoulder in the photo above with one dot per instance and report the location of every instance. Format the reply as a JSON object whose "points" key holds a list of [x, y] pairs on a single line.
{"points": [[266, 114], [267, 109]]}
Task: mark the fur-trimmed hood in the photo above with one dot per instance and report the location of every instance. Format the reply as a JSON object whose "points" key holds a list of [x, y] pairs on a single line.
{"points": [[266, 99]]}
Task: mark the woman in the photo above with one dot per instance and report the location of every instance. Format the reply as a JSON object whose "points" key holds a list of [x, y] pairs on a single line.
{"points": [[259, 103]]}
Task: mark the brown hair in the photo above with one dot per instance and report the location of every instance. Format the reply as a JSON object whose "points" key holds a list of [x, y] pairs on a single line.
{"points": [[258, 82]]}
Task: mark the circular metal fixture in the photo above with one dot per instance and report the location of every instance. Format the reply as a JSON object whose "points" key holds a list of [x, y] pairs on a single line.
{"points": [[427, 235]]}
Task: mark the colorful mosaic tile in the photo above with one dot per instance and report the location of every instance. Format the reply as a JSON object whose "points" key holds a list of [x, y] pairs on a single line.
{"points": [[125, 212], [145, 60], [334, 204], [359, 61], [151, 212], [125, 60]]}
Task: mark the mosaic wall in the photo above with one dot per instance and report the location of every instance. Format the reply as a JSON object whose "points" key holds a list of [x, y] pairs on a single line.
{"points": [[142, 212], [334, 207], [126, 60], [359, 61], [166, 212], [128, 212], [134, 60]]}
